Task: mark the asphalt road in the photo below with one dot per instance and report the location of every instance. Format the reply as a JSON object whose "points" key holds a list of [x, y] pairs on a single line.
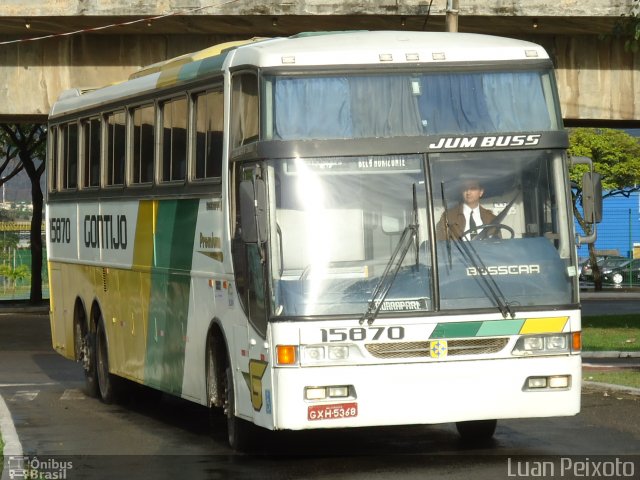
{"points": [[147, 437]]}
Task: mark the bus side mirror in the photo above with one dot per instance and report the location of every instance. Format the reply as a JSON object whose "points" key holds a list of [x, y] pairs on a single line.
{"points": [[253, 214], [592, 197]]}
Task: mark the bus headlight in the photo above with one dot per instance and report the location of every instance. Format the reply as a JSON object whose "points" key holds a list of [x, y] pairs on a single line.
{"points": [[549, 344], [324, 354], [314, 354]]}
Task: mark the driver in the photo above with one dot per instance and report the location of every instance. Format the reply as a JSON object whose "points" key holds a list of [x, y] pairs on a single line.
{"points": [[467, 219]]}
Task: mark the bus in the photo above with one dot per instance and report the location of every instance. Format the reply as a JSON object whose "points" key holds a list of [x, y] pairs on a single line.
{"points": [[255, 227]]}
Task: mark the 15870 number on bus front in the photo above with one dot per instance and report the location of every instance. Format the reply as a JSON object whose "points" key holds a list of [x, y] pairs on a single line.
{"points": [[357, 334]]}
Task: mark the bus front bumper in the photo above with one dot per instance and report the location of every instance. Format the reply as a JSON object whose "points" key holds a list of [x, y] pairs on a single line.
{"points": [[426, 393]]}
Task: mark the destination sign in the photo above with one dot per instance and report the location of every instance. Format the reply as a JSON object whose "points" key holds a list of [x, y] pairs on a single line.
{"points": [[374, 164]]}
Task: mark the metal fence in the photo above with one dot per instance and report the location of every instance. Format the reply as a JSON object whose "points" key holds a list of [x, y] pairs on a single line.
{"points": [[619, 231], [15, 262]]}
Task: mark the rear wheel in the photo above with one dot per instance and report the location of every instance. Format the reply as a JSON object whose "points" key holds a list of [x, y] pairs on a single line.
{"points": [[477, 430], [86, 353], [241, 434], [106, 381]]}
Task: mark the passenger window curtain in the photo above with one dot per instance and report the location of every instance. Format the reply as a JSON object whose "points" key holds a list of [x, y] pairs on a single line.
{"points": [[312, 108], [245, 112], [409, 105], [483, 103]]}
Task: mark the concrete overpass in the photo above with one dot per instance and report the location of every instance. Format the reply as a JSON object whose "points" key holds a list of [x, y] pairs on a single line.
{"points": [[47, 46]]}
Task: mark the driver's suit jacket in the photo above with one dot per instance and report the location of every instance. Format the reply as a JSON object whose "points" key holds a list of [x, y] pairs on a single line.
{"points": [[457, 223]]}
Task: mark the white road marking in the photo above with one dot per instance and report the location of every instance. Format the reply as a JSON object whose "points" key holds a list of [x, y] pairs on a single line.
{"points": [[27, 384], [24, 396], [73, 394]]}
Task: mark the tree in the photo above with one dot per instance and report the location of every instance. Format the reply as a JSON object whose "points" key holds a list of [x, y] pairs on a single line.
{"points": [[24, 148], [616, 156], [628, 27]]}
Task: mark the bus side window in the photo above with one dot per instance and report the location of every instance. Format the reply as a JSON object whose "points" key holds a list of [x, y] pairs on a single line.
{"points": [[143, 144], [245, 114], [208, 136], [52, 161], [174, 140], [116, 148], [91, 152], [69, 156]]}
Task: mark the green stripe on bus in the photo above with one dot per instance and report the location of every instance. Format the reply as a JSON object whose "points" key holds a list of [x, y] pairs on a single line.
{"points": [[500, 327], [453, 330], [493, 328], [170, 288]]}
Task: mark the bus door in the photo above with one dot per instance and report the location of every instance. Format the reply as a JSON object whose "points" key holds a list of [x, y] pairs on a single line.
{"points": [[250, 244], [251, 274]]}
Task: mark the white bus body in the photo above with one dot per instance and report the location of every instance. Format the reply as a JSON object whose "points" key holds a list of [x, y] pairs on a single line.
{"points": [[259, 227]]}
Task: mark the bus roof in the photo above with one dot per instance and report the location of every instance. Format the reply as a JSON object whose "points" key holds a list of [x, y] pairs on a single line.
{"points": [[307, 49]]}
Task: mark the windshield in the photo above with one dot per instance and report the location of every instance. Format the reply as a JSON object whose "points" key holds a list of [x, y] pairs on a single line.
{"points": [[408, 104], [336, 226], [341, 222], [518, 249]]}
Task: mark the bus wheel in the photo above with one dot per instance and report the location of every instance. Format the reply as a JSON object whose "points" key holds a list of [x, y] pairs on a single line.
{"points": [[86, 354], [477, 430], [106, 381], [240, 432]]}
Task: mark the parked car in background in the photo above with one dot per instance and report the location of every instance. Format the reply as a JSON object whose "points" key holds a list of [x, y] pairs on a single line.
{"points": [[625, 274], [605, 262]]}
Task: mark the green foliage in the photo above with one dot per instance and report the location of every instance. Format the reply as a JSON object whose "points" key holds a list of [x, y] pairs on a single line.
{"points": [[615, 154], [628, 27], [14, 274], [8, 242]]}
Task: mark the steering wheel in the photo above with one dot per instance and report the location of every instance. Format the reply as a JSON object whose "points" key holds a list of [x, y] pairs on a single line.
{"points": [[486, 227]]}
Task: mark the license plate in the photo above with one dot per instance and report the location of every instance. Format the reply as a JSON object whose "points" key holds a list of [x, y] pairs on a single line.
{"points": [[332, 412]]}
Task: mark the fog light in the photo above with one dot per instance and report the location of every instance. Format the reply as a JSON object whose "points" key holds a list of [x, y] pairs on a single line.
{"points": [[559, 382], [315, 393], [537, 382], [339, 391]]}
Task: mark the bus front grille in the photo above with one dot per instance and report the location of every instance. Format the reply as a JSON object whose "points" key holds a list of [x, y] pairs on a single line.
{"points": [[470, 346]]}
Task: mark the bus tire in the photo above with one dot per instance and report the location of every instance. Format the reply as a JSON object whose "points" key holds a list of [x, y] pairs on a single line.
{"points": [[89, 364], [106, 381], [476, 430], [240, 433]]}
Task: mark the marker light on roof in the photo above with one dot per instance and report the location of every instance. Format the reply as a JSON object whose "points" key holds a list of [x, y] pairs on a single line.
{"points": [[531, 53], [289, 60], [415, 87], [412, 57], [385, 57], [438, 56]]}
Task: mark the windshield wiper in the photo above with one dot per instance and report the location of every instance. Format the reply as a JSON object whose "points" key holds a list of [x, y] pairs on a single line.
{"points": [[488, 282], [409, 236], [469, 253]]}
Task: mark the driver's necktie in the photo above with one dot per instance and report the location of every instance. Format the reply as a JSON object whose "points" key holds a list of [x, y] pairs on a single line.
{"points": [[472, 226]]}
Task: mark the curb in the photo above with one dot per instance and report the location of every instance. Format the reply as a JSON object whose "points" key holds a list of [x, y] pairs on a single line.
{"points": [[611, 387], [16, 308], [12, 445], [610, 354]]}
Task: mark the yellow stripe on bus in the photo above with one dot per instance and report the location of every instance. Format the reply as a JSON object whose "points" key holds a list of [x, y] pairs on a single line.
{"points": [[544, 325], [145, 229]]}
